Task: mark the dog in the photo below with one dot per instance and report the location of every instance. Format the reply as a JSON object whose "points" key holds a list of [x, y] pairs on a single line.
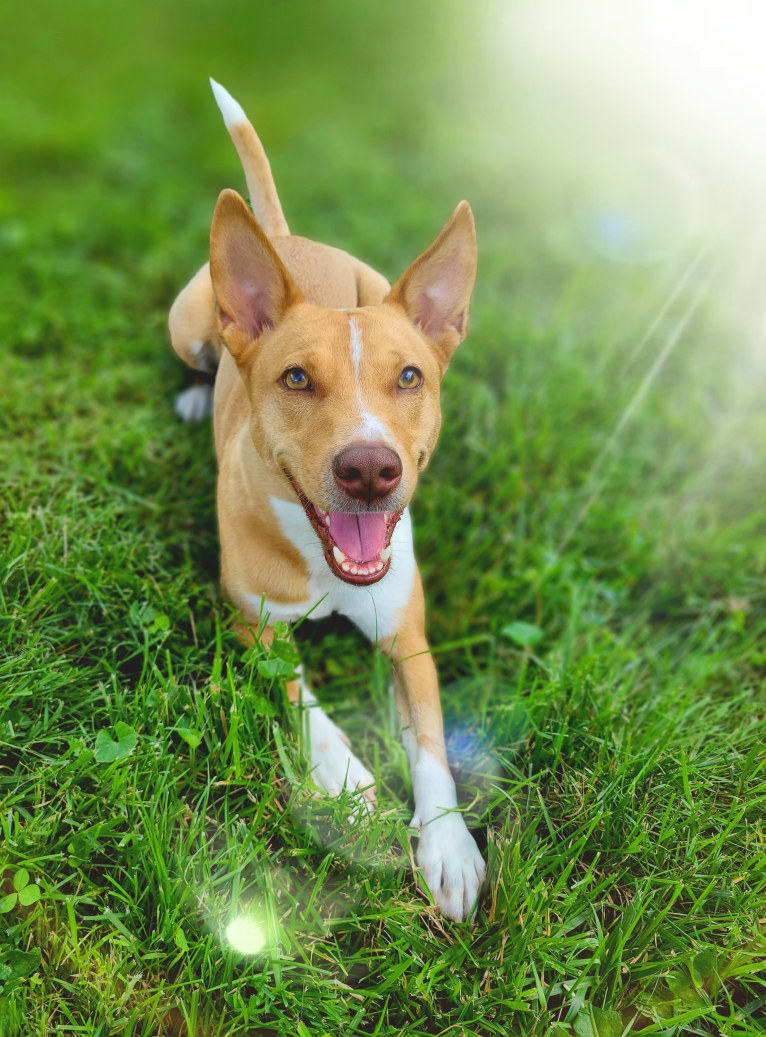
{"points": [[326, 410]]}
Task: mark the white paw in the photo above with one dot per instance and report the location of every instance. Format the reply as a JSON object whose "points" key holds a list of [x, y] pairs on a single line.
{"points": [[194, 403], [451, 865], [333, 766], [447, 855]]}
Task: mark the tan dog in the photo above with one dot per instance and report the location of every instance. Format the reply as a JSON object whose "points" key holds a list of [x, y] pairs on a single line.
{"points": [[326, 410]]}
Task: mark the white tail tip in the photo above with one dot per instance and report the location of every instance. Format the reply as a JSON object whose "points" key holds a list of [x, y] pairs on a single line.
{"points": [[231, 110]]}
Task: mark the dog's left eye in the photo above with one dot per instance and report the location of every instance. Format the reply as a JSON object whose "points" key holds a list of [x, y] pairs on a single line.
{"points": [[410, 378], [296, 378]]}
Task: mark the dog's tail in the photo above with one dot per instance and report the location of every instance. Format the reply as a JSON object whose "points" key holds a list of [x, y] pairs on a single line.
{"points": [[264, 199]]}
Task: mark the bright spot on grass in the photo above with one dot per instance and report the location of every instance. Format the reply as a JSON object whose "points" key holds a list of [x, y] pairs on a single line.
{"points": [[246, 934]]}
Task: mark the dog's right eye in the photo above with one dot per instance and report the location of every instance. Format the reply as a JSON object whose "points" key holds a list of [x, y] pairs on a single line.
{"points": [[296, 378]]}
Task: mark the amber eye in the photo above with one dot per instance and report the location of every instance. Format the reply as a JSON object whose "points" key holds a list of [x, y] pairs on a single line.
{"points": [[410, 378], [296, 378]]}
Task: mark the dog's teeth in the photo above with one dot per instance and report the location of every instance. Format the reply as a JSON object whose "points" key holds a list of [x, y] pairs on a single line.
{"points": [[378, 566], [385, 554], [327, 519], [345, 567], [355, 570], [387, 515], [340, 558]]}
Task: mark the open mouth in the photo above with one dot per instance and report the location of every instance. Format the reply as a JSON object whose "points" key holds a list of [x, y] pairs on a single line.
{"points": [[356, 544]]}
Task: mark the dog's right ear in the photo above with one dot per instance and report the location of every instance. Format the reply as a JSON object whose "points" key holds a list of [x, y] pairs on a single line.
{"points": [[252, 288]]}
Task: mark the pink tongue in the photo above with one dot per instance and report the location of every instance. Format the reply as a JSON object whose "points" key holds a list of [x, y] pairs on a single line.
{"points": [[361, 537]]}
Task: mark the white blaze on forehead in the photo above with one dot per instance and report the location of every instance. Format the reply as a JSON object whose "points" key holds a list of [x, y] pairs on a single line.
{"points": [[371, 426], [356, 348]]}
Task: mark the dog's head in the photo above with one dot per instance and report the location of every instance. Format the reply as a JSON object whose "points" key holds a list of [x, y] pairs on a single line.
{"points": [[344, 403]]}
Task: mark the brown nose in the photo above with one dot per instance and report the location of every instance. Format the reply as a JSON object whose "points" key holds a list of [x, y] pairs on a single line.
{"points": [[367, 471]]}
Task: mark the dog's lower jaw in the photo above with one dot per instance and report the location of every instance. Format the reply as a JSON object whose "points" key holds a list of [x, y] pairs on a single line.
{"points": [[349, 570], [450, 862]]}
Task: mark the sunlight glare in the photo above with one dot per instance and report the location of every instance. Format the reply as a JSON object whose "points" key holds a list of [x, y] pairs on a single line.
{"points": [[246, 934], [684, 77]]}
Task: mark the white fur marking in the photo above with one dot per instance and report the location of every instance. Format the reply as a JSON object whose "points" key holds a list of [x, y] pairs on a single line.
{"points": [[433, 787], [194, 403], [447, 854], [371, 427], [356, 349], [333, 765], [375, 609], [410, 743], [231, 110]]}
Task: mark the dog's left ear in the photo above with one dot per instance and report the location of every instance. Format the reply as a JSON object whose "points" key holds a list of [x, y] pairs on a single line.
{"points": [[435, 290]]}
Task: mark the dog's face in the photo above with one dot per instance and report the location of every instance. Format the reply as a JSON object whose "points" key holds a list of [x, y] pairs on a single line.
{"points": [[344, 403]]}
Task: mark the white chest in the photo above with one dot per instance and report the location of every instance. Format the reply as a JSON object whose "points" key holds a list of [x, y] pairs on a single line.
{"points": [[376, 609]]}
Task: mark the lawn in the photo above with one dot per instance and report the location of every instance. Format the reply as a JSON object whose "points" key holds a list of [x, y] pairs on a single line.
{"points": [[591, 534]]}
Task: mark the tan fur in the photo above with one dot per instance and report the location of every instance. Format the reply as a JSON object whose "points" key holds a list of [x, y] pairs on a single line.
{"points": [[192, 315], [267, 302], [254, 554], [417, 685], [192, 320], [260, 183]]}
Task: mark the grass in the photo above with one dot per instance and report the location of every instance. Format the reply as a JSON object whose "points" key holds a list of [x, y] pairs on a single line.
{"points": [[596, 601]]}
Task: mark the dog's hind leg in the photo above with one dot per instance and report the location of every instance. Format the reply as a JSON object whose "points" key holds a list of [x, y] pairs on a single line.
{"points": [[191, 322], [192, 335]]}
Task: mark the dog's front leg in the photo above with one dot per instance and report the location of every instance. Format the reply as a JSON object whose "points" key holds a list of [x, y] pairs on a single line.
{"points": [[447, 853], [333, 765]]}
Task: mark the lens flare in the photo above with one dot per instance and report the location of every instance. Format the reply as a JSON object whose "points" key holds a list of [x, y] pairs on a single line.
{"points": [[247, 934]]}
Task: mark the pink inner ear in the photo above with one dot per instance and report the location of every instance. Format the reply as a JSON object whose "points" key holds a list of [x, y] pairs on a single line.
{"points": [[253, 306], [458, 323], [252, 285], [256, 309], [429, 312], [436, 311]]}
